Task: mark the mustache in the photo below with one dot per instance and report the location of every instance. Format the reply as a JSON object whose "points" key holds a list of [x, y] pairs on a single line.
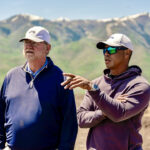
{"points": [[28, 51]]}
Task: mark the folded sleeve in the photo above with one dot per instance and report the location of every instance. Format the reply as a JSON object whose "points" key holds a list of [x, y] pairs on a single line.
{"points": [[137, 100], [88, 116]]}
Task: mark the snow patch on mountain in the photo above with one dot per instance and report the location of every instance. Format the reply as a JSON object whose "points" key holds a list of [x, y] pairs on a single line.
{"points": [[60, 19], [122, 19]]}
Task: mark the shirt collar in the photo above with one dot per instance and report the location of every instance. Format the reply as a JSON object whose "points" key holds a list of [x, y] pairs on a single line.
{"points": [[34, 74]]}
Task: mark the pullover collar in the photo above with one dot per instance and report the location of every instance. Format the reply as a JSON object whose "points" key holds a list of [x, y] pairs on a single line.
{"points": [[131, 71]]}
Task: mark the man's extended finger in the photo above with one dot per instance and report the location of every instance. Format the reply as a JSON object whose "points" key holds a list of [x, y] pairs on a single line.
{"points": [[69, 75], [71, 84], [67, 86], [75, 81], [66, 82], [74, 86]]}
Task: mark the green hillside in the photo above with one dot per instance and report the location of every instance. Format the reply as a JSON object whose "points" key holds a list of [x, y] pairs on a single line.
{"points": [[74, 42]]}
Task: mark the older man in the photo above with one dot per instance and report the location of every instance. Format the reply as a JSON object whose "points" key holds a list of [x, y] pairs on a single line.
{"points": [[36, 113], [115, 102]]}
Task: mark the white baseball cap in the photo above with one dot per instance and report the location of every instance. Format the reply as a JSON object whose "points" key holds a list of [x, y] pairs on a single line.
{"points": [[116, 39], [37, 34]]}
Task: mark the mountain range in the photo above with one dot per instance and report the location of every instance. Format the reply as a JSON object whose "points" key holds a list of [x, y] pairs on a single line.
{"points": [[74, 42]]}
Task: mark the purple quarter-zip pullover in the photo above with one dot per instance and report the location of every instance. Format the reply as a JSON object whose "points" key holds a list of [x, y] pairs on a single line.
{"points": [[119, 128]]}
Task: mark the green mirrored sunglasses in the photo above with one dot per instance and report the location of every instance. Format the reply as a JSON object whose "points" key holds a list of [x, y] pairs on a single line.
{"points": [[113, 50]]}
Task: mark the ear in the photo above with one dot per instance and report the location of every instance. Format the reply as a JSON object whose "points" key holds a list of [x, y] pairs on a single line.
{"points": [[127, 53], [48, 48]]}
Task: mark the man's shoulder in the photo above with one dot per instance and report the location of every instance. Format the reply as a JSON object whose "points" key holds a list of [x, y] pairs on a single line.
{"points": [[52, 66], [14, 70], [57, 69], [140, 79], [56, 73], [140, 83]]}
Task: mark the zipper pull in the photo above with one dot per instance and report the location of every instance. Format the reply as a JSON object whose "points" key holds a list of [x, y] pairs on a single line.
{"points": [[31, 84]]}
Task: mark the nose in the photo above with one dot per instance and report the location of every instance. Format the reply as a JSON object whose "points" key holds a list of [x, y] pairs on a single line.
{"points": [[28, 46], [106, 53]]}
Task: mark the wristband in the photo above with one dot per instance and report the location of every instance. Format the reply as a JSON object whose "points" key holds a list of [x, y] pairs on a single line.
{"points": [[94, 87]]}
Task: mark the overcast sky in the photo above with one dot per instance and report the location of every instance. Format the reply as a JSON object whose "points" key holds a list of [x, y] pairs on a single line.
{"points": [[74, 9]]}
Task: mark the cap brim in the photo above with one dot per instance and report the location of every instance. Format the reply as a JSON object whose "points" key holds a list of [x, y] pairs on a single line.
{"points": [[101, 45], [31, 38]]}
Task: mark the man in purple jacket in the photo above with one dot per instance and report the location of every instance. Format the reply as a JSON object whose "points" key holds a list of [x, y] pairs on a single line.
{"points": [[115, 102]]}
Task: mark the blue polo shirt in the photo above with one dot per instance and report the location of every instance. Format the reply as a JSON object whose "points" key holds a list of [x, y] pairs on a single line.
{"points": [[39, 118]]}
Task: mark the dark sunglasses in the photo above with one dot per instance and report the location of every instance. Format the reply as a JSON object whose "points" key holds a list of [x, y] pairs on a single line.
{"points": [[113, 50]]}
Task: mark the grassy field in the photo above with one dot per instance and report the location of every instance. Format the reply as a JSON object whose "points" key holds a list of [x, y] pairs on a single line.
{"points": [[82, 133]]}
